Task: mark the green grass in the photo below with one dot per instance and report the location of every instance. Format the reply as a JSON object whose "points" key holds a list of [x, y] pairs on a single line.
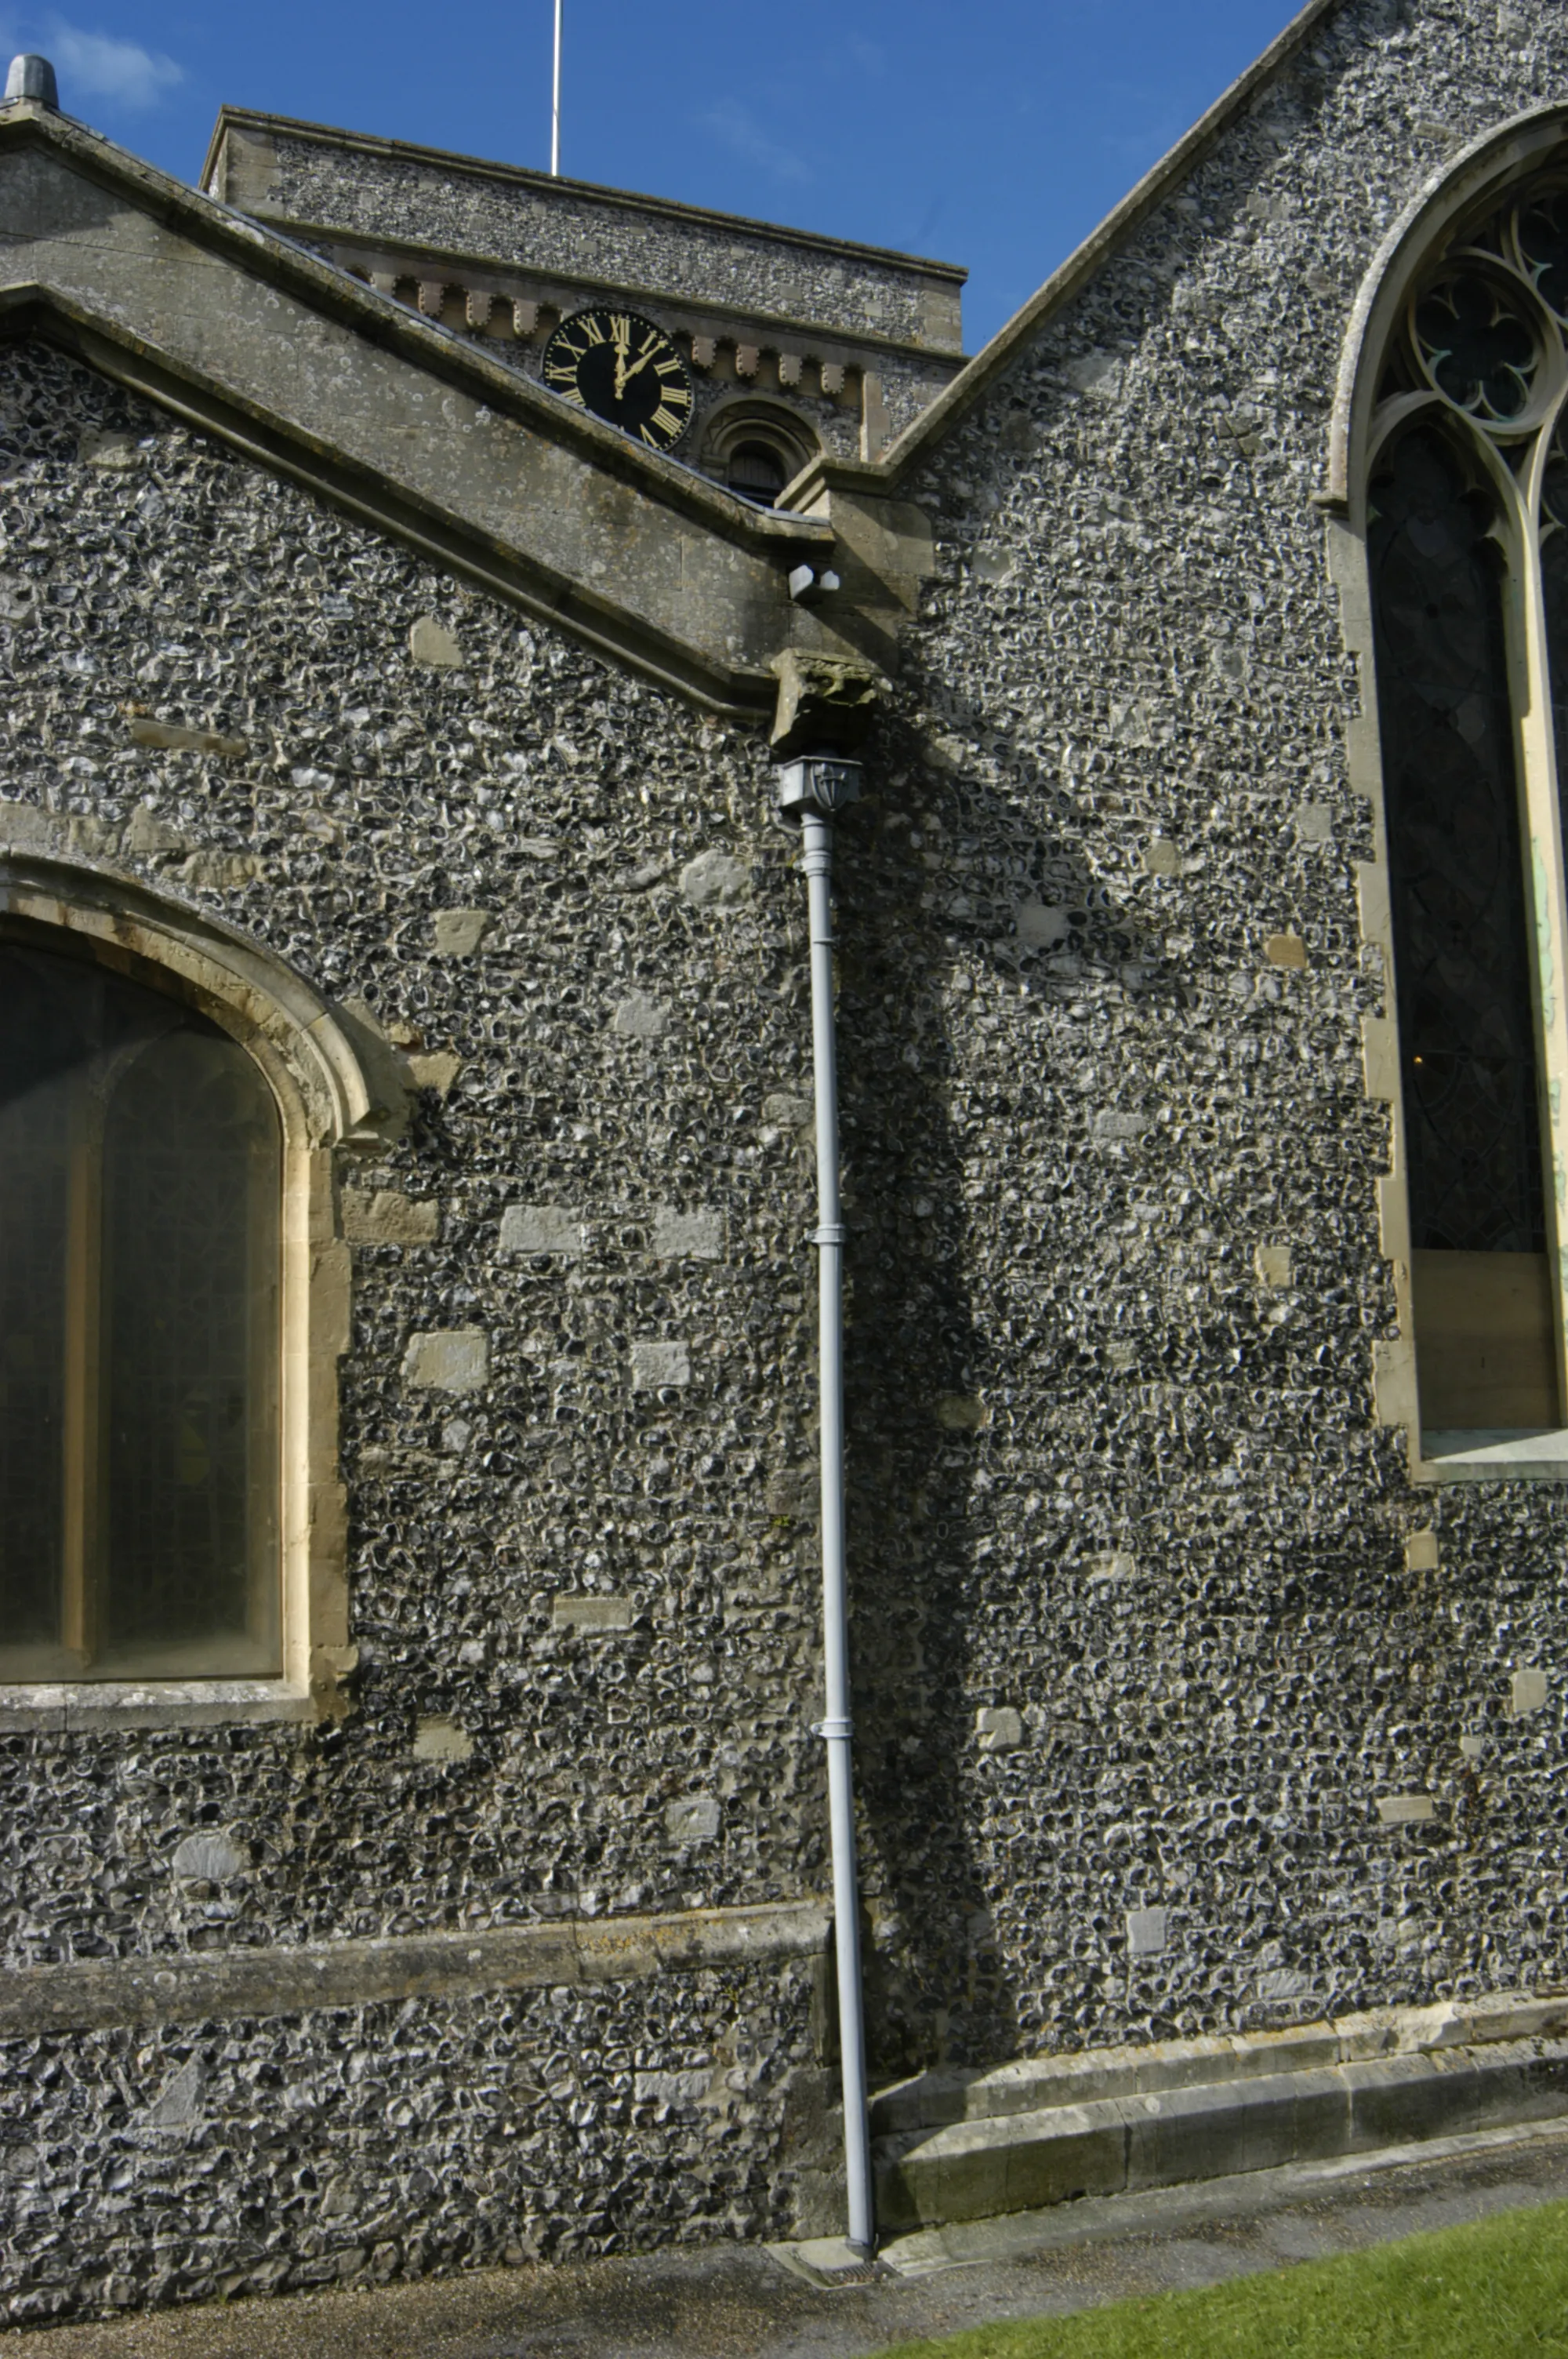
{"points": [[1494, 2289]]}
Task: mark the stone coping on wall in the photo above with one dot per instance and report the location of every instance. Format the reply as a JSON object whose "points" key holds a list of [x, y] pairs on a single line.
{"points": [[104, 1995]]}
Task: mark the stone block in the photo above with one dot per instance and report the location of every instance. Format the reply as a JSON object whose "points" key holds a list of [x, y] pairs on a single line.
{"points": [[1209, 2131], [999, 1728], [26, 828], [584, 1611], [147, 834], [439, 1739], [1034, 2160], [102, 448], [209, 1859], [1421, 1552], [687, 1237], [1161, 858], [447, 1360], [1405, 1810], [437, 1070], [1394, 2099], [1314, 823], [389, 1218], [692, 1818], [432, 643], [178, 2104], [1285, 950], [458, 933], [175, 737], [679, 2089], [542, 1229], [794, 1492], [1145, 1933], [655, 1366], [714, 879], [638, 1017], [1272, 1264], [1526, 1693], [787, 1111], [1098, 373], [1120, 1124], [221, 872], [1041, 926], [960, 1412], [824, 701]]}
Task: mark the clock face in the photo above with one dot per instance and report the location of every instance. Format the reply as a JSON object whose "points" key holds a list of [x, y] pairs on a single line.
{"points": [[623, 369]]}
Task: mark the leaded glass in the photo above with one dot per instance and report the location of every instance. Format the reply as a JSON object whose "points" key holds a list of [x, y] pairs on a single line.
{"points": [[140, 1180], [1466, 1028], [1478, 347]]}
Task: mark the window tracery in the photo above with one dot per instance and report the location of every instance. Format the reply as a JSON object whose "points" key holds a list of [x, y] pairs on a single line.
{"points": [[1467, 543]]}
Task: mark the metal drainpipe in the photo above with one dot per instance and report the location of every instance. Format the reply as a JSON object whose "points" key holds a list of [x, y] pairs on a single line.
{"points": [[816, 789]]}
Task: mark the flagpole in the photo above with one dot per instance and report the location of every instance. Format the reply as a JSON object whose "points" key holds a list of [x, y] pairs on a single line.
{"points": [[556, 104]]}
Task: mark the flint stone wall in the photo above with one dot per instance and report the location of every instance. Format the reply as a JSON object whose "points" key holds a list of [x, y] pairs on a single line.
{"points": [[1117, 1491], [1175, 1541], [662, 1761], [366, 2144], [558, 227]]}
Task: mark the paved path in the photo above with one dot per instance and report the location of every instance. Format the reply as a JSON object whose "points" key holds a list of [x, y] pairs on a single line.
{"points": [[735, 2303]]}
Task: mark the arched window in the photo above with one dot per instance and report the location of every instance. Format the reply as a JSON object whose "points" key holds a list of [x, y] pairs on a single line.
{"points": [[1452, 449], [174, 1297], [140, 1194], [757, 471], [756, 445]]}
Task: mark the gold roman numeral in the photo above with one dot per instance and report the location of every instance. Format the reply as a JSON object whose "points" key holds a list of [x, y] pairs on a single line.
{"points": [[589, 327], [666, 420]]}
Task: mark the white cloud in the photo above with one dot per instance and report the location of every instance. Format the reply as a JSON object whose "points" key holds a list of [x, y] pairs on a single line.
{"points": [[97, 66], [740, 130]]}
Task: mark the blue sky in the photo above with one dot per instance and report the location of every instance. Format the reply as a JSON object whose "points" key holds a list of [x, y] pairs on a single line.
{"points": [[994, 134]]}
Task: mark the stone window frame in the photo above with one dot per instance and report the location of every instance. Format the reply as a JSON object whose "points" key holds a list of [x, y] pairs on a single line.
{"points": [[1454, 200], [338, 1088], [755, 418]]}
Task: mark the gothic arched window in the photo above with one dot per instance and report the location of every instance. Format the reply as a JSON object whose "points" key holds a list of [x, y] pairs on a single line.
{"points": [[140, 1194], [1464, 466]]}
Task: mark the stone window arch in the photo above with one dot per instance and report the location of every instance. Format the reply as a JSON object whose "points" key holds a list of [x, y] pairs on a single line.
{"points": [[756, 446], [173, 1299], [1449, 497]]}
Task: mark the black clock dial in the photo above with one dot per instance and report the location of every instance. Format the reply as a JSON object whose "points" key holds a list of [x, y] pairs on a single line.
{"points": [[624, 369]]}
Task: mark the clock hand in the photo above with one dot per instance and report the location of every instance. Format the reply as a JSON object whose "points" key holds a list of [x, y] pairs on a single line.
{"points": [[625, 377], [622, 343]]}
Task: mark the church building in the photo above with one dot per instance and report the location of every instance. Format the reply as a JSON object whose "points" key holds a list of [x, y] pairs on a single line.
{"points": [[446, 615]]}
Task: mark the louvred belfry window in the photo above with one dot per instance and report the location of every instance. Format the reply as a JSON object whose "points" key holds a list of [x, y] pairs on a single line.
{"points": [[1468, 541], [140, 1192]]}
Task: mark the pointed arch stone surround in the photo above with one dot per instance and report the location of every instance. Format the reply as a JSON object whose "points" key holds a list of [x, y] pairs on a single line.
{"points": [[339, 1088]]}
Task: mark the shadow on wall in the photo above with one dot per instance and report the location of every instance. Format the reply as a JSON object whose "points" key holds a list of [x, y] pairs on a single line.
{"points": [[930, 1557], [918, 1387]]}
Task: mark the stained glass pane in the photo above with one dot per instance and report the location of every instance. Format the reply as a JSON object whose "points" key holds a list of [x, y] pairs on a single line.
{"points": [[41, 1049], [1467, 1031], [140, 1179], [190, 1337]]}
